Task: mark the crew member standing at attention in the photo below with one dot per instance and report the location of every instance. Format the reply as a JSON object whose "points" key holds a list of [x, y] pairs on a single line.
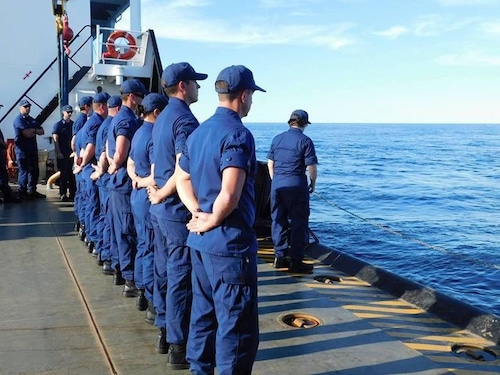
{"points": [[86, 137], [216, 183], [107, 256], [140, 170], [85, 106], [169, 215], [291, 153], [120, 133], [61, 134], [26, 129]]}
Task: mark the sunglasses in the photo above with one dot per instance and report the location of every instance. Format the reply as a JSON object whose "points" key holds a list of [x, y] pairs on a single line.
{"points": [[139, 95]]}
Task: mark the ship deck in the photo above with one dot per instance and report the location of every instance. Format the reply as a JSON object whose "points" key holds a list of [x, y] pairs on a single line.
{"points": [[60, 315]]}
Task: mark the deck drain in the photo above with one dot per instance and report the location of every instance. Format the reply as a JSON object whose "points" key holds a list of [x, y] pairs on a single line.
{"points": [[474, 353], [327, 279], [299, 320]]}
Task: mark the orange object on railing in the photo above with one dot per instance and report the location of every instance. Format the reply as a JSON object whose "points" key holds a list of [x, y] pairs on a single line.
{"points": [[11, 160], [112, 53]]}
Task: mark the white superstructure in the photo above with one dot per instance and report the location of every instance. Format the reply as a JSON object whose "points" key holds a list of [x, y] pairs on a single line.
{"points": [[31, 68]]}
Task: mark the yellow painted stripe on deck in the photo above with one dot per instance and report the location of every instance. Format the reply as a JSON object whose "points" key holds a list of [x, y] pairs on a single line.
{"points": [[465, 340], [364, 293], [428, 347], [418, 319], [406, 311], [392, 325], [371, 315], [395, 302]]}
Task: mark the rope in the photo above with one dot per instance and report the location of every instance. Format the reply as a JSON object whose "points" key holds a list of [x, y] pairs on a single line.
{"points": [[387, 229]]}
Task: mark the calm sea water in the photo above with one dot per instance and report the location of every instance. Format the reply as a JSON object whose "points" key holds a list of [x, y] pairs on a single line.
{"points": [[421, 201]]}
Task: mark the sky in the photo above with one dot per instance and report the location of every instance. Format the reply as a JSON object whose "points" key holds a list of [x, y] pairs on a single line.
{"points": [[343, 61]]}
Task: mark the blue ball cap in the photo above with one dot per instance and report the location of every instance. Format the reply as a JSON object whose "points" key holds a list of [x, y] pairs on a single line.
{"points": [[238, 78], [154, 101], [115, 101], [67, 108], [84, 100], [133, 86], [183, 71], [25, 103], [299, 115], [102, 98]]}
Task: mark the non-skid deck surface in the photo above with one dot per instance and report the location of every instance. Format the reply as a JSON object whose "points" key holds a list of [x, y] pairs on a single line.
{"points": [[60, 315]]}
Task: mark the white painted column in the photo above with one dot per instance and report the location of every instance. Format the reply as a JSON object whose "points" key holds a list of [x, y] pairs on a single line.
{"points": [[135, 15]]}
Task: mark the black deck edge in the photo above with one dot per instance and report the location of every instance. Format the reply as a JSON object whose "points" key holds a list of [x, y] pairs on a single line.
{"points": [[449, 309]]}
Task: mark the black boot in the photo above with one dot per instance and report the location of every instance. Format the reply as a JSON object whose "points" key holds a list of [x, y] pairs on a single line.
{"points": [[98, 260], [177, 357], [81, 232], [161, 342], [150, 314], [142, 302], [107, 269], [300, 267], [129, 289], [118, 278]]}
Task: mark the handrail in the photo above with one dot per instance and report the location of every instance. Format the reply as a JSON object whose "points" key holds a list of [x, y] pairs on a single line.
{"points": [[25, 94]]}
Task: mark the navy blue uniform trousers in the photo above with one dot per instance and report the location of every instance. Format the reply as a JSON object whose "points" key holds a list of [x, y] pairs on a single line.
{"points": [[290, 222], [144, 258], [123, 228], [224, 329]]}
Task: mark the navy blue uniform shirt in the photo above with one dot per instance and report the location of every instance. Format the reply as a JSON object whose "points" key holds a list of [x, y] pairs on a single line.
{"points": [[291, 151], [81, 119], [221, 142], [124, 123], [141, 150], [64, 130], [89, 132], [173, 126], [100, 147], [25, 146]]}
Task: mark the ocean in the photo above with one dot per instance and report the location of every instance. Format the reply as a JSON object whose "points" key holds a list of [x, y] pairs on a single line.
{"points": [[419, 200]]}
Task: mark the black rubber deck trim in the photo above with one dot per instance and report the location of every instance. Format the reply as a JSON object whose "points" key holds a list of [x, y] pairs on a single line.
{"points": [[447, 308]]}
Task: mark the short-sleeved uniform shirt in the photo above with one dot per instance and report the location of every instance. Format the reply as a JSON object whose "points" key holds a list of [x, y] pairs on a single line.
{"points": [[221, 142], [25, 147], [173, 126], [100, 147], [141, 150], [292, 151], [88, 135], [81, 119], [124, 123], [64, 130]]}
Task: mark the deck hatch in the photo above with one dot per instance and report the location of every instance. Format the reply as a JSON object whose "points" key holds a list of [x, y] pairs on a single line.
{"points": [[299, 320]]}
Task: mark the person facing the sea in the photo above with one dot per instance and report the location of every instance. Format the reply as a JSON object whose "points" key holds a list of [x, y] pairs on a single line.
{"points": [[216, 183], [291, 153]]}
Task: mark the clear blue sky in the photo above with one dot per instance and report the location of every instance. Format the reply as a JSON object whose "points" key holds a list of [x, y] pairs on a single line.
{"points": [[342, 60]]}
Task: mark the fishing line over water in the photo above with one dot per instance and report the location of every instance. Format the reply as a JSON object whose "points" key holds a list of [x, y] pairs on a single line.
{"points": [[388, 229]]}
